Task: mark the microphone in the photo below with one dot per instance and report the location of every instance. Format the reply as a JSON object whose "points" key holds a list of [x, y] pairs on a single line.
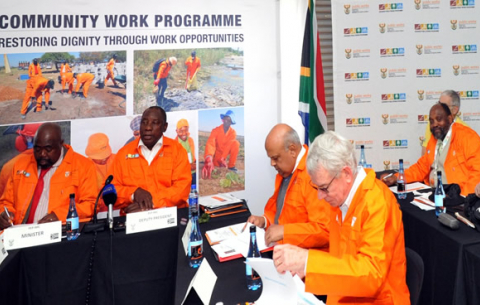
{"points": [[449, 221], [93, 226], [110, 197]]}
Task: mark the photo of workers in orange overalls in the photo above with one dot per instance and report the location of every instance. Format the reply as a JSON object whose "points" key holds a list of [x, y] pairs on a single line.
{"points": [[220, 145], [193, 65], [160, 78], [183, 137], [110, 74], [34, 71], [64, 69], [84, 79], [41, 86]]}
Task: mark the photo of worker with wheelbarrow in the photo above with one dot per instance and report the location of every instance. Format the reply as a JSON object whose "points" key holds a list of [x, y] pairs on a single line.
{"points": [[53, 86], [188, 79]]}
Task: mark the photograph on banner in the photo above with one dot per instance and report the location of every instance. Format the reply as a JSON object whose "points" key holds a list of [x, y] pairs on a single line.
{"points": [[62, 86], [221, 150], [183, 127], [188, 79], [16, 140]]}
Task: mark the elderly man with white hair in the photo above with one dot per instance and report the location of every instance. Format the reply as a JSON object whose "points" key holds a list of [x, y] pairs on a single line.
{"points": [[366, 261]]}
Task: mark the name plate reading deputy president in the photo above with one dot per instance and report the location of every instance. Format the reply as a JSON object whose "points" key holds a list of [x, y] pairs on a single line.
{"points": [[151, 220], [23, 236]]}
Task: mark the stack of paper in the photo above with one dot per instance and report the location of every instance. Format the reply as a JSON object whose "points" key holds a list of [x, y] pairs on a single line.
{"points": [[230, 243], [219, 200], [421, 198]]}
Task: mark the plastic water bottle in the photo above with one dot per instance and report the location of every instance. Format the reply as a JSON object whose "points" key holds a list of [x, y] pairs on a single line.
{"points": [[192, 200], [362, 162], [195, 243], [401, 189], [439, 195], [72, 220], [253, 279]]}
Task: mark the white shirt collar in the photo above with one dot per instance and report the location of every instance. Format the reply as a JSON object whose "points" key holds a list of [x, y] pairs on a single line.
{"points": [[148, 154], [299, 157], [361, 174]]}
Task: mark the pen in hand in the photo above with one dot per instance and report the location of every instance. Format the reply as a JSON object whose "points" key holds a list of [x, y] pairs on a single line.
{"points": [[244, 227], [8, 215], [387, 176]]}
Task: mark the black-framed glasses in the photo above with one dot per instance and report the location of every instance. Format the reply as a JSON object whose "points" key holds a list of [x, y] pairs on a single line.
{"points": [[323, 189]]}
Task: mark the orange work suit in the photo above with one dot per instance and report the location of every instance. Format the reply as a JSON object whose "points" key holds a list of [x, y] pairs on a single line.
{"points": [[304, 217], [86, 79], [34, 72], [163, 69], [7, 169], [64, 69], [167, 178], [69, 79], [76, 174], [462, 163], [221, 144], [110, 74], [35, 88], [192, 66], [366, 263]]}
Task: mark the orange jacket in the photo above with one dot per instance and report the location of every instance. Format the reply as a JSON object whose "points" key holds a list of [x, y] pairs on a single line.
{"points": [[34, 70], [366, 263], [83, 78], [305, 218], [7, 169], [218, 140], [164, 69], [64, 69], [192, 66], [110, 65], [76, 174], [167, 178], [40, 87], [462, 164]]}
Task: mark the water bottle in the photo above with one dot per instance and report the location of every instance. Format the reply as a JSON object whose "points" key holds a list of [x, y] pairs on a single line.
{"points": [[253, 280], [401, 190], [195, 243], [192, 200], [439, 195], [362, 162], [72, 220]]}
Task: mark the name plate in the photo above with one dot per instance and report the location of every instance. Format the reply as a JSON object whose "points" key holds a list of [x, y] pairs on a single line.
{"points": [[151, 220], [3, 251], [23, 236]]}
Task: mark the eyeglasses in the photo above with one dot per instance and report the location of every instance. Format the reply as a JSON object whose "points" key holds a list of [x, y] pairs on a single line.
{"points": [[323, 189]]}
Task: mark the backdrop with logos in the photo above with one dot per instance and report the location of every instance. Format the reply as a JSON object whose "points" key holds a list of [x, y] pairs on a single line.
{"points": [[392, 60]]}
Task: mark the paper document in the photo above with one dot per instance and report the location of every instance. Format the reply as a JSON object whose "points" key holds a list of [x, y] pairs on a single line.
{"points": [[218, 200], [3, 251], [410, 187], [203, 282], [280, 288]]}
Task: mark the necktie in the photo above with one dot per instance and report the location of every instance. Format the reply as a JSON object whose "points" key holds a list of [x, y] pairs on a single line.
{"points": [[37, 194]]}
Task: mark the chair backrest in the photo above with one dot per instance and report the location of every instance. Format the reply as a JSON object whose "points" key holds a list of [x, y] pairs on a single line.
{"points": [[415, 270]]}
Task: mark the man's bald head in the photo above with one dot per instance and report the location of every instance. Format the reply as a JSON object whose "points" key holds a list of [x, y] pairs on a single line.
{"points": [[283, 146], [48, 143]]}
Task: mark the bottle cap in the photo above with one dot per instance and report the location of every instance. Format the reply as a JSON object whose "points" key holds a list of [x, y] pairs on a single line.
{"points": [[362, 146], [193, 187], [400, 160], [72, 196], [253, 228], [439, 172]]}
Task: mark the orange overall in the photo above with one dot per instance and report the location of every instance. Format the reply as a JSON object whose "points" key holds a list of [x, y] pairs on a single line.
{"points": [[220, 144], [64, 69], [86, 79], [110, 74], [34, 72]]}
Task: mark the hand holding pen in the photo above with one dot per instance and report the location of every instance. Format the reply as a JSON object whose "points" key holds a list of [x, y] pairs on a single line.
{"points": [[5, 219]]}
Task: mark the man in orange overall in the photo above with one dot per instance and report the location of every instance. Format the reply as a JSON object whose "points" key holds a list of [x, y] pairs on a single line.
{"points": [[366, 262], [193, 65], [221, 144], [34, 72], [293, 215], [41, 86], [110, 74], [152, 171], [64, 69], [39, 187], [160, 78], [84, 79]]}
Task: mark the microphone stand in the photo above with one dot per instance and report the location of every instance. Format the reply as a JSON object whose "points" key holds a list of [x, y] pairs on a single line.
{"points": [[94, 226]]}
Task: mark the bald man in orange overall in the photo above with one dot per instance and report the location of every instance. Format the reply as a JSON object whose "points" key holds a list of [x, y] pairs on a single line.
{"points": [[39, 188], [221, 144], [84, 79], [110, 74], [293, 215], [366, 262]]}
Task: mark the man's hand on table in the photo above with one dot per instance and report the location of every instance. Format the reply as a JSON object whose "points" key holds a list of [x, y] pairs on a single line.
{"points": [[274, 233], [49, 218], [6, 222], [290, 258], [143, 199]]}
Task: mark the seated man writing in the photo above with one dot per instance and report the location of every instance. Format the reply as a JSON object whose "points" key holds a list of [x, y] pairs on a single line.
{"points": [[453, 150], [38, 189], [366, 261], [152, 171], [293, 214]]}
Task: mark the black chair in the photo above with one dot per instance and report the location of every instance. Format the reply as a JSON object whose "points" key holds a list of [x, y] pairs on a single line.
{"points": [[415, 270]]}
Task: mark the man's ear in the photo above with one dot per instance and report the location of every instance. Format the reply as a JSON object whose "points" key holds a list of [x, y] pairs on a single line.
{"points": [[165, 126], [348, 172]]}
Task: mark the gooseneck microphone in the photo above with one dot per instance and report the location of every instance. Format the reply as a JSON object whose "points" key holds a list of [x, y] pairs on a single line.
{"points": [[110, 197], [94, 226]]}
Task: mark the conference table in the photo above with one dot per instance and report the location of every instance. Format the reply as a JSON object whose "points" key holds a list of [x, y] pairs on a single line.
{"points": [[451, 257]]}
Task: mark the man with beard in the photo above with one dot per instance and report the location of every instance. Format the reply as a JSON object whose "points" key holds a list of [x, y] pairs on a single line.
{"points": [[38, 189], [453, 150]]}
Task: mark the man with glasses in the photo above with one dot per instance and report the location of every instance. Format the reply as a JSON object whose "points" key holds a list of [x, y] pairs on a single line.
{"points": [[366, 261], [453, 150], [452, 99], [293, 214]]}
